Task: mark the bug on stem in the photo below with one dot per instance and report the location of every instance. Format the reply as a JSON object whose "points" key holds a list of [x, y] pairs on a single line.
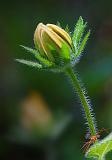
{"points": [[92, 140]]}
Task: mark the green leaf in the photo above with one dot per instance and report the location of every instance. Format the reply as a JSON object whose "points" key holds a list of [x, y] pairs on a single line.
{"points": [[83, 43], [101, 148], [38, 56], [29, 63]]}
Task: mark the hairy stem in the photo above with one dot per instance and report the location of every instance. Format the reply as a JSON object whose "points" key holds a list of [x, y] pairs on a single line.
{"points": [[84, 101]]}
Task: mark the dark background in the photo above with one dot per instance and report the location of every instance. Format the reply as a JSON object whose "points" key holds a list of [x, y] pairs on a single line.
{"points": [[22, 135]]}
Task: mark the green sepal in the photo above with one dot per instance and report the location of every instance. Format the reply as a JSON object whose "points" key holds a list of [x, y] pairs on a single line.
{"points": [[58, 24], [29, 63], [38, 56], [67, 29], [61, 56], [82, 45], [65, 51], [78, 34]]}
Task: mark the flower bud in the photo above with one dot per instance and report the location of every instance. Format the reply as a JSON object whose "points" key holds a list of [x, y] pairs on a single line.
{"points": [[49, 38]]}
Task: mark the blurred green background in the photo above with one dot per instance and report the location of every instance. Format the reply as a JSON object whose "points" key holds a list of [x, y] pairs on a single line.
{"points": [[40, 116]]}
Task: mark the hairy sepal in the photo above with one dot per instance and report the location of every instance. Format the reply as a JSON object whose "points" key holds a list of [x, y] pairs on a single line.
{"points": [[82, 45], [38, 56], [29, 63], [79, 41]]}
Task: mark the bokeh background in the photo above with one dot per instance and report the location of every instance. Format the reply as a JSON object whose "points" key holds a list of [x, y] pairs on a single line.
{"points": [[40, 116]]}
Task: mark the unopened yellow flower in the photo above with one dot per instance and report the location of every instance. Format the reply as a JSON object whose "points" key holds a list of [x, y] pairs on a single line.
{"points": [[48, 38]]}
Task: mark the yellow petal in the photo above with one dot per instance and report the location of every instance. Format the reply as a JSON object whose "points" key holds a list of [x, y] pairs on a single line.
{"points": [[37, 38], [64, 35], [53, 36]]}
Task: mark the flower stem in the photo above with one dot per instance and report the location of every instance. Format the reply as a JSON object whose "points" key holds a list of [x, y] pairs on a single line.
{"points": [[86, 106]]}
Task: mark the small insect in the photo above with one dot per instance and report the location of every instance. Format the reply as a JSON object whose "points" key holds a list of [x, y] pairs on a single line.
{"points": [[92, 140]]}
